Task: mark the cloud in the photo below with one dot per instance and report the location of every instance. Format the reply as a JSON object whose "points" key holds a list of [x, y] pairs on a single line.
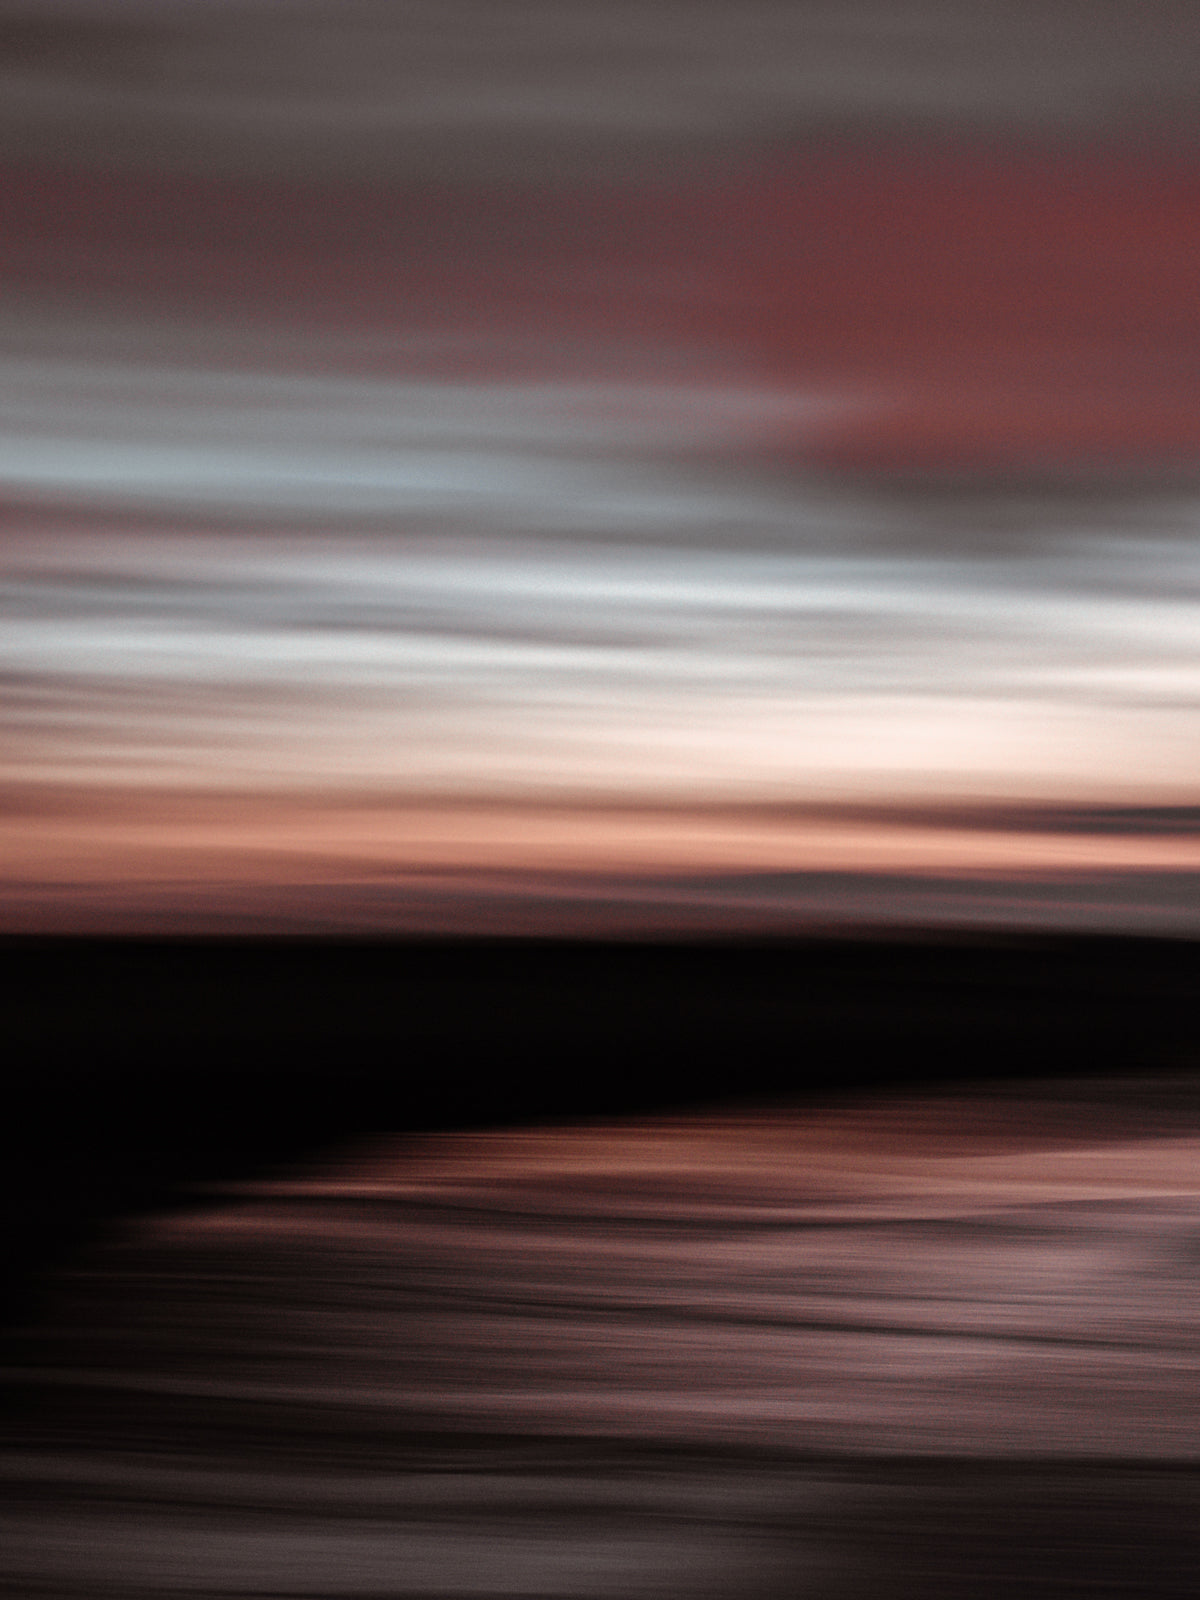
{"points": [[461, 85]]}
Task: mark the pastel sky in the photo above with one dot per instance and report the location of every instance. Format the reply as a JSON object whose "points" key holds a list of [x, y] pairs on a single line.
{"points": [[599, 468]]}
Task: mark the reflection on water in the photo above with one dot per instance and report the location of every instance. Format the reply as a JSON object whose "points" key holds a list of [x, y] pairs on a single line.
{"points": [[935, 1347]]}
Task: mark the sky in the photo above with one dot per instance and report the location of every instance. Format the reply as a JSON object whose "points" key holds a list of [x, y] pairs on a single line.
{"points": [[543, 467]]}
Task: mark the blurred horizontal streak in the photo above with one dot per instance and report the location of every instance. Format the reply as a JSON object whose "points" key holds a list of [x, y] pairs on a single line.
{"points": [[309, 447], [206, 805], [378, 89], [275, 839], [1003, 309], [353, 902], [303, 410], [329, 1558], [565, 668]]}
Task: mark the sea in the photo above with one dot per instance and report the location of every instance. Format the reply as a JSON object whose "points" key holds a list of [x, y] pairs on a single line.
{"points": [[939, 1343]]}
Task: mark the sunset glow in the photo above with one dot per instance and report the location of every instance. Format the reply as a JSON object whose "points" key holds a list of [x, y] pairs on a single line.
{"points": [[423, 505]]}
